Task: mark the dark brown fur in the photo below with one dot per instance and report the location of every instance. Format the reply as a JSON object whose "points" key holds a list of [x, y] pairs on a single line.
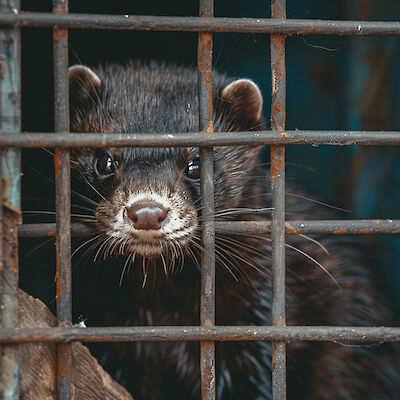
{"points": [[162, 99]]}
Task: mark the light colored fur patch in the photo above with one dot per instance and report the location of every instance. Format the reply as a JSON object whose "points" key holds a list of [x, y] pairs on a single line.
{"points": [[179, 226]]}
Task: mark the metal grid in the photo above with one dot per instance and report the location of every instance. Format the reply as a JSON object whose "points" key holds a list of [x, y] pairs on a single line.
{"points": [[207, 333]]}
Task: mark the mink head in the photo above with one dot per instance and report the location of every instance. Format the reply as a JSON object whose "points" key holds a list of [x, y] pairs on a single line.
{"points": [[148, 199]]}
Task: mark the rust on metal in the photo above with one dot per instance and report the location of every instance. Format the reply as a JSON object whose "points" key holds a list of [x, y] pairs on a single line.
{"points": [[278, 11], [210, 127], [365, 231], [207, 295], [277, 107], [280, 321], [273, 137], [57, 163], [10, 196], [60, 34], [195, 24], [278, 155], [58, 285], [348, 334], [205, 70], [278, 120], [278, 64], [63, 201], [342, 227]]}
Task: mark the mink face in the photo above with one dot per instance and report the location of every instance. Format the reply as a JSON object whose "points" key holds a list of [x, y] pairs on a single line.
{"points": [[149, 197]]}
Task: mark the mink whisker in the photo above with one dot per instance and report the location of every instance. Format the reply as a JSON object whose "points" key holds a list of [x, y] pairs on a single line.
{"points": [[174, 255], [239, 257], [83, 207], [319, 244], [131, 263], [245, 246], [317, 202], [315, 262], [124, 269], [88, 250], [145, 272], [164, 265], [220, 258], [85, 198], [85, 243], [91, 186], [54, 213], [242, 210], [241, 271], [111, 249], [193, 257], [23, 257], [108, 239]]}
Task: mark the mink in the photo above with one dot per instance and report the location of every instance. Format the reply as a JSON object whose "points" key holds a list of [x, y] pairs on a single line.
{"points": [[143, 266]]}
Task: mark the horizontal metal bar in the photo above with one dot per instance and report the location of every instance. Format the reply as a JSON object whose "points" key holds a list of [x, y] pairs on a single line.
{"points": [[336, 227], [341, 138], [197, 24], [195, 333]]}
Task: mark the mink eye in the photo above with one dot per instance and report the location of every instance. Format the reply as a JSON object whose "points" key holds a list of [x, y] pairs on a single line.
{"points": [[104, 165], [192, 169]]}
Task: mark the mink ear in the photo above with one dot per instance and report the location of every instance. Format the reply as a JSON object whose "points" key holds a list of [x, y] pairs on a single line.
{"points": [[241, 103], [84, 88]]}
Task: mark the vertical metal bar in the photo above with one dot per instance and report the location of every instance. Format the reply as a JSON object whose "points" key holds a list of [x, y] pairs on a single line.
{"points": [[63, 202], [10, 215], [207, 301], [278, 117]]}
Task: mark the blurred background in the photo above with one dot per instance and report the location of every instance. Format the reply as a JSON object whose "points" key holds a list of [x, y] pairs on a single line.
{"points": [[333, 83]]}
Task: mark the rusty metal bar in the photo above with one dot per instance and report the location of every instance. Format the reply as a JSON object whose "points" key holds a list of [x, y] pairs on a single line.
{"points": [[336, 227], [338, 334], [10, 197], [278, 118], [196, 24], [207, 296], [274, 137], [63, 202]]}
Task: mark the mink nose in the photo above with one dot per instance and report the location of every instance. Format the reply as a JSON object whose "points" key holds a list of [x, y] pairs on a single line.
{"points": [[147, 215]]}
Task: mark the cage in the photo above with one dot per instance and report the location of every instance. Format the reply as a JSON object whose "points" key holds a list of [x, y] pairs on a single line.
{"points": [[12, 139]]}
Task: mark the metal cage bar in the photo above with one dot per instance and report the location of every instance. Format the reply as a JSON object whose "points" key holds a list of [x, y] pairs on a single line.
{"points": [[63, 203], [278, 119], [10, 215], [207, 333], [199, 24], [207, 300], [335, 227], [101, 139], [346, 335]]}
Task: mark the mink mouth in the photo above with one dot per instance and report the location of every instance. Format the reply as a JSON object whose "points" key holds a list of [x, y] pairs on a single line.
{"points": [[147, 248]]}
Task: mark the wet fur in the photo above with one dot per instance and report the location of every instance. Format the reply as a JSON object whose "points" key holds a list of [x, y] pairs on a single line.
{"points": [[113, 292]]}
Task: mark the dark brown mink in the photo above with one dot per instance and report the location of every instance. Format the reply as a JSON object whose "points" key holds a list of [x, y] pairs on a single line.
{"points": [[142, 269]]}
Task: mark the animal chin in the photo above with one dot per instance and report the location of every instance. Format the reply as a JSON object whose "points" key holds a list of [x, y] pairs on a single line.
{"points": [[146, 249]]}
